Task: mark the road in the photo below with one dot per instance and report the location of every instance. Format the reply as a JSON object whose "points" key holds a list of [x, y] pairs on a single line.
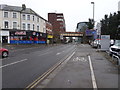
{"points": [[23, 66], [85, 69]]}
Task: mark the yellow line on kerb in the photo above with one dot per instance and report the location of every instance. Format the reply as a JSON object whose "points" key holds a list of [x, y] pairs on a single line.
{"points": [[32, 85]]}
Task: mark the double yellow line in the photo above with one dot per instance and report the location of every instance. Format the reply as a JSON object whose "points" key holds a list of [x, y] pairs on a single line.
{"points": [[43, 76]]}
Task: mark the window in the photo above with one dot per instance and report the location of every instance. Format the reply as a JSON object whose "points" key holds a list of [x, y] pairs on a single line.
{"points": [[23, 25], [14, 15], [37, 28], [6, 24], [23, 16], [59, 19], [59, 16], [33, 27], [28, 26], [28, 17], [6, 14], [33, 18], [14, 25], [37, 19]]}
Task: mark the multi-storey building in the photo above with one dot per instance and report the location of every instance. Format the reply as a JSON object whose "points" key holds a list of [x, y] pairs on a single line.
{"points": [[58, 22], [49, 32], [21, 25], [81, 27]]}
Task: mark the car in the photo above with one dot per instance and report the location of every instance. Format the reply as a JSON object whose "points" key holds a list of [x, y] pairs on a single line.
{"points": [[4, 52], [96, 43], [114, 51]]}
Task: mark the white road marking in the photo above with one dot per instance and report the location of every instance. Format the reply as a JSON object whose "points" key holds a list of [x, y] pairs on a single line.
{"points": [[92, 74], [13, 63], [79, 59], [58, 53], [44, 53]]}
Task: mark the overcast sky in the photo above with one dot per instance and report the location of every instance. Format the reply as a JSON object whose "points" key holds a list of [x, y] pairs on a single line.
{"points": [[74, 10]]}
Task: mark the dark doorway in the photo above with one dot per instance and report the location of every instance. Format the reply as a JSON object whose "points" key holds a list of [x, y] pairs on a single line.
{"points": [[4, 39]]}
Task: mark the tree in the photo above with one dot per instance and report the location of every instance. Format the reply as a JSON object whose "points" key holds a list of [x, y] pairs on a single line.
{"points": [[109, 25], [91, 24]]}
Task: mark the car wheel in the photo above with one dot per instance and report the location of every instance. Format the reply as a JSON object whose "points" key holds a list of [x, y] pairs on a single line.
{"points": [[4, 54]]}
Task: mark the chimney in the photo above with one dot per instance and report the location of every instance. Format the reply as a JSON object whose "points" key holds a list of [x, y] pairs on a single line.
{"points": [[23, 7]]}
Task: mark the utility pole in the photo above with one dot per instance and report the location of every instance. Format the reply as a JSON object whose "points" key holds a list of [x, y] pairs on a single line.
{"points": [[93, 11]]}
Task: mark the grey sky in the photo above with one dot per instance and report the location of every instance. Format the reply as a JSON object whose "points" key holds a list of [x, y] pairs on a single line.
{"points": [[74, 10]]}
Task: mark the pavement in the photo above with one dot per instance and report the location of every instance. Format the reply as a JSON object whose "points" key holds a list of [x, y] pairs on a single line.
{"points": [[85, 69]]}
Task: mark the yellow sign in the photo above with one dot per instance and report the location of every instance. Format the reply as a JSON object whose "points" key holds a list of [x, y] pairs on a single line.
{"points": [[49, 36]]}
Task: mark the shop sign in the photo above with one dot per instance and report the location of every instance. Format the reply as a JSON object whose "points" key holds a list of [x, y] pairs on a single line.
{"points": [[34, 33], [40, 34], [20, 33], [50, 36]]}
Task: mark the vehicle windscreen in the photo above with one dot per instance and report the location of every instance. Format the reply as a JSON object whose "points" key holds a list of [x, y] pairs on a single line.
{"points": [[117, 42]]}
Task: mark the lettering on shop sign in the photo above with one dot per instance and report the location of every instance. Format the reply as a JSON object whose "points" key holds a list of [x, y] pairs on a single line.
{"points": [[20, 33]]}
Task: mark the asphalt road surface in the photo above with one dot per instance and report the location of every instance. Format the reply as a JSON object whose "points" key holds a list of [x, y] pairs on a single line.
{"points": [[23, 66]]}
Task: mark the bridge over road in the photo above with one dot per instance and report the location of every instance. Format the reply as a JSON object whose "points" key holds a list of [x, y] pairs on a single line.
{"points": [[72, 34]]}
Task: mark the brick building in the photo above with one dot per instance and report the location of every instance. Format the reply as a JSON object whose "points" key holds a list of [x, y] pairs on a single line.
{"points": [[58, 22]]}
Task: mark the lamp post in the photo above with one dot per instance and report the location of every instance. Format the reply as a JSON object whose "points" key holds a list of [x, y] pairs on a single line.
{"points": [[93, 11]]}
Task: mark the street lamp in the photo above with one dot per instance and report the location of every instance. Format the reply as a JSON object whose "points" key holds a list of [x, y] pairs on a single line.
{"points": [[93, 11]]}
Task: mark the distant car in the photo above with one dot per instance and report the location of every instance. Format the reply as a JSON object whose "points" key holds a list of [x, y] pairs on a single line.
{"points": [[4, 52], [96, 43]]}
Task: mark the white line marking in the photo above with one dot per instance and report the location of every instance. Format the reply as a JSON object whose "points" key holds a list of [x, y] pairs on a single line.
{"points": [[58, 53], [92, 74], [13, 63], [44, 53]]}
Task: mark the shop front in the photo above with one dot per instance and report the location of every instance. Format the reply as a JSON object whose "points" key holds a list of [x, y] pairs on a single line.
{"points": [[49, 39], [39, 38], [27, 37], [4, 36]]}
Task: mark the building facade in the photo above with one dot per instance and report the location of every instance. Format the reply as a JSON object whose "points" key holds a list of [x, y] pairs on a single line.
{"points": [[49, 32], [81, 27], [58, 22], [23, 25]]}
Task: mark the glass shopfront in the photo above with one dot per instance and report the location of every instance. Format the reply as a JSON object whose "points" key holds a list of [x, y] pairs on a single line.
{"points": [[27, 37]]}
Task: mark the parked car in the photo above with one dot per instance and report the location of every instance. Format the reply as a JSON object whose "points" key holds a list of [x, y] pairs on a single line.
{"points": [[115, 51], [4, 52], [96, 43]]}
